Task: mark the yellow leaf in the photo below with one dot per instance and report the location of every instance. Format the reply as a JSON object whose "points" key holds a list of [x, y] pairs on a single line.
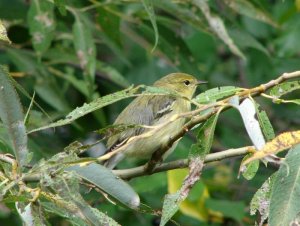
{"points": [[194, 208], [282, 142]]}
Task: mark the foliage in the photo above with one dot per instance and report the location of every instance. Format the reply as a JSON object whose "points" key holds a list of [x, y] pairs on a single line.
{"points": [[66, 69]]}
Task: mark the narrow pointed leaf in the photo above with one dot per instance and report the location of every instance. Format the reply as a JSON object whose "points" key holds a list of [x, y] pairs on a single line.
{"points": [[108, 182], [41, 24], [148, 5], [12, 116]]}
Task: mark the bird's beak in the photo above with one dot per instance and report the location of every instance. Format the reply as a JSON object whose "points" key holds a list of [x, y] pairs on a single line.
{"points": [[199, 82]]}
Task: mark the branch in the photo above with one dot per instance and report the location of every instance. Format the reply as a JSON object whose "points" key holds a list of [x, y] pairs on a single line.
{"points": [[182, 163]]}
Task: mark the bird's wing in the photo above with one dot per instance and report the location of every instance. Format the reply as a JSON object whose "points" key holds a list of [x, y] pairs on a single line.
{"points": [[147, 110]]}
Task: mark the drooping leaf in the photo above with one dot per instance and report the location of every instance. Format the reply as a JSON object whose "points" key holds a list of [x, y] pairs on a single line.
{"points": [[112, 74], [148, 5], [11, 114], [280, 143], [261, 199], [251, 169], [245, 40], [248, 9], [108, 182], [193, 207], [212, 95], [3, 33], [41, 24], [204, 138], [218, 27], [173, 201], [183, 13], [248, 112], [67, 187], [264, 123], [84, 45], [284, 202]]}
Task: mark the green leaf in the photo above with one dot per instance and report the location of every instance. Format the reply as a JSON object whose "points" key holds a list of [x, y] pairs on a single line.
{"points": [[246, 8], [112, 74], [173, 201], [109, 183], [284, 88], [212, 95], [148, 5], [265, 123], [63, 212], [245, 40], [110, 23], [284, 203], [3, 33], [218, 27], [204, 138], [41, 24], [61, 5], [67, 187], [182, 12], [231, 209], [251, 168], [30, 214], [104, 101], [11, 114], [261, 199], [84, 45]]}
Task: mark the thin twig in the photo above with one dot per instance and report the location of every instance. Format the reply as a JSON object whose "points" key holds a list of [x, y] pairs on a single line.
{"points": [[182, 163]]}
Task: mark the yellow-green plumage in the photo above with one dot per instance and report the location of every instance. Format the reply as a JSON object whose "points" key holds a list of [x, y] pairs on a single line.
{"points": [[152, 110]]}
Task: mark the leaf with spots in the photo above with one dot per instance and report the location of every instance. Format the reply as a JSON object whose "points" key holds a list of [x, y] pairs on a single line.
{"points": [[41, 24], [104, 101], [285, 199], [261, 199], [12, 116], [284, 88], [85, 46], [173, 201], [264, 123], [280, 143], [212, 95], [107, 182]]}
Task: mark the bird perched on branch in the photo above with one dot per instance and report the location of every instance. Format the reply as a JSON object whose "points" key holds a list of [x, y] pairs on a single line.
{"points": [[156, 112]]}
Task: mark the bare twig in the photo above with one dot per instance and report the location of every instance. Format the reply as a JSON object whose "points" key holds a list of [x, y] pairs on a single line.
{"points": [[182, 163]]}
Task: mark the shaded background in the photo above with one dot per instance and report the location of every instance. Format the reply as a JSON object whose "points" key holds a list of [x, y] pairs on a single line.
{"points": [[88, 49]]}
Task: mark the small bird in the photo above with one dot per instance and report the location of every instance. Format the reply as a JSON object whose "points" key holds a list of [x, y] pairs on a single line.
{"points": [[153, 110]]}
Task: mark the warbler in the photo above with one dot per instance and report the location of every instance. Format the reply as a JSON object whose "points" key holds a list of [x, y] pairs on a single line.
{"points": [[153, 110]]}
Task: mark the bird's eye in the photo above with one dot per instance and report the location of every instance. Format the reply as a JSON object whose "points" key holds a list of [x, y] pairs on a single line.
{"points": [[187, 82]]}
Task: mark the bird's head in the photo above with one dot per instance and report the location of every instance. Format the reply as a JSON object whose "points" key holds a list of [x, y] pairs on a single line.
{"points": [[182, 83]]}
